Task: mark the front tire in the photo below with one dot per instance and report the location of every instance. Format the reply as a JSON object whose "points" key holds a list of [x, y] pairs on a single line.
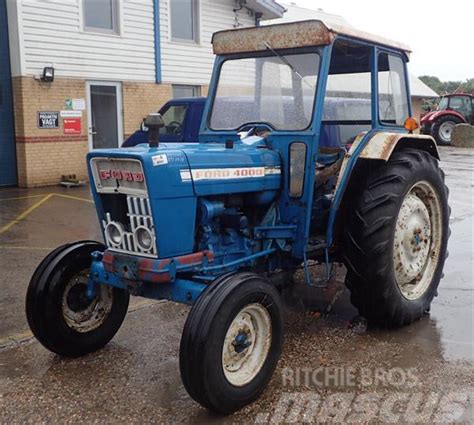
{"points": [[231, 342], [59, 313], [396, 238]]}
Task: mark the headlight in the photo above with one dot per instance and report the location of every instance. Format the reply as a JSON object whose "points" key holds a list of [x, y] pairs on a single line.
{"points": [[114, 232], [144, 238]]}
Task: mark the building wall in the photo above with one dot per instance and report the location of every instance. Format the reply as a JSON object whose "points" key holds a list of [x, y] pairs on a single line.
{"points": [[416, 110], [139, 99], [191, 63], [52, 32], [44, 155], [416, 107]]}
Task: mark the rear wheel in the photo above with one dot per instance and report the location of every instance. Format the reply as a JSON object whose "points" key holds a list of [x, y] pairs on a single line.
{"points": [[231, 342], [60, 314], [396, 239], [443, 128]]}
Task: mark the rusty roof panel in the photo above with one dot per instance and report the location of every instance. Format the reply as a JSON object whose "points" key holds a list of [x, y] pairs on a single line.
{"points": [[281, 36], [291, 35]]}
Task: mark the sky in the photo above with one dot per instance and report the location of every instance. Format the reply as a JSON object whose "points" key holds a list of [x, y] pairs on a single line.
{"points": [[440, 33]]}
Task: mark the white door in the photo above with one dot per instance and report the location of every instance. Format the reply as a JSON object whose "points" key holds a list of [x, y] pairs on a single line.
{"points": [[104, 118]]}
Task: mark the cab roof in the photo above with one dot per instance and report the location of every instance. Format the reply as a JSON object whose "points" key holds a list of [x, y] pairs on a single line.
{"points": [[292, 35], [458, 94]]}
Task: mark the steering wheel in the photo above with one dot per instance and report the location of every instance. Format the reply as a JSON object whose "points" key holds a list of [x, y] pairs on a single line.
{"points": [[256, 125], [177, 127]]}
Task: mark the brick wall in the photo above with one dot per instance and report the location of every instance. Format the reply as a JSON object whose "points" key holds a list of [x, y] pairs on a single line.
{"points": [[204, 90], [31, 96], [44, 155], [42, 164], [139, 99]]}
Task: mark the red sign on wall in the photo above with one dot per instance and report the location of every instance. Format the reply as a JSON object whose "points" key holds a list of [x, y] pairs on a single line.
{"points": [[72, 125]]}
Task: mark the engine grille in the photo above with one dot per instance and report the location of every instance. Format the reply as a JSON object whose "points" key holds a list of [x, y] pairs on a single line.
{"points": [[139, 220]]}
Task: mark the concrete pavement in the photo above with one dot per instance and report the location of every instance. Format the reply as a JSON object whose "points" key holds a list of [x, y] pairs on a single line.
{"points": [[136, 377]]}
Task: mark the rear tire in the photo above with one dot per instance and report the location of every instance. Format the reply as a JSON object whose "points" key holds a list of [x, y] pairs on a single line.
{"points": [[231, 342], [59, 314], [442, 129], [396, 238]]}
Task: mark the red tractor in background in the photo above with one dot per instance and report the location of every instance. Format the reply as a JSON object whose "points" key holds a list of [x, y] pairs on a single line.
{"points": [[452, 109]]}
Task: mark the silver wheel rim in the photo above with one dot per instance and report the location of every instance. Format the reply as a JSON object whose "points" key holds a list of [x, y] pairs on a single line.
{"points": [[247, 344], [417, 242], [446, 131], [81, 314]]}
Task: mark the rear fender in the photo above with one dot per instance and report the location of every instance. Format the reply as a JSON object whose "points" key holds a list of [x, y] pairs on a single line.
{"points": [[446, 112], [373, 145], [382, 145]]}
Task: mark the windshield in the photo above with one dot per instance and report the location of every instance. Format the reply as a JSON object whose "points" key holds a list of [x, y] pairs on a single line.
{"points": [[443, 104], [275, 89]]}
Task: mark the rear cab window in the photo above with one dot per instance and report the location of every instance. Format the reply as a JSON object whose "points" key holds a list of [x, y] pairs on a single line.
{"points": [[393, 96]]}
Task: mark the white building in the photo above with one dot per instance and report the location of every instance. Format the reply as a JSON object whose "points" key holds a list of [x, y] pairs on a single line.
{"points": [[113, 60]]}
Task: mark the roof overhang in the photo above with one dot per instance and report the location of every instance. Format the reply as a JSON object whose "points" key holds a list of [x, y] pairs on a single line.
{"points": [[291, 35], [269, 9]]}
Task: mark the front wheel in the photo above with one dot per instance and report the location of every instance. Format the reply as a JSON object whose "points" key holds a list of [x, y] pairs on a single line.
{"points": [[396, 238], [60, 314], [231, 342]]}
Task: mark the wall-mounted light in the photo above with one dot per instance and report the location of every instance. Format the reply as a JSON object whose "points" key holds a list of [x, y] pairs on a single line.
{"points": [[48, 74]]}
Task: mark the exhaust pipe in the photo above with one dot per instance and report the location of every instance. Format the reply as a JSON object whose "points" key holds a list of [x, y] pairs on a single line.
{"points": [[154, 121]]}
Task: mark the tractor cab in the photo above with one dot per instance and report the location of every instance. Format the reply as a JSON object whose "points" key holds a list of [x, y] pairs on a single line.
{"points": [[461, 103], [318, 96]]}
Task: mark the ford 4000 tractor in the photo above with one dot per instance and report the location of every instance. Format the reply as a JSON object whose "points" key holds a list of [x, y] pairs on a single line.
{"points": [[306, 153]]}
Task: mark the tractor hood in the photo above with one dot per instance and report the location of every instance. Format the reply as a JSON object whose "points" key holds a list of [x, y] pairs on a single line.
{"points": [[177, 170], [171, 179]]}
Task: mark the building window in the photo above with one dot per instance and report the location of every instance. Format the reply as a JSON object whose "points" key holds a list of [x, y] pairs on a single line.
{"points": [[101, 15], [184, 20], [180, 91]]}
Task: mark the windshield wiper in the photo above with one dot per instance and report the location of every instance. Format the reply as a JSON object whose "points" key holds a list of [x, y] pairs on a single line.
{"points": [[288, 63]]}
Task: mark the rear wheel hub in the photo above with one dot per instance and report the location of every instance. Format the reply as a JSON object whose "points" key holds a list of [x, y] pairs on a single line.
{"points": [[446, 131], [417, 240]]}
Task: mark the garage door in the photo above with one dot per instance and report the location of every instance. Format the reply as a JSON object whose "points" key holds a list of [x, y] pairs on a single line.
{"points": [[7, 138]]}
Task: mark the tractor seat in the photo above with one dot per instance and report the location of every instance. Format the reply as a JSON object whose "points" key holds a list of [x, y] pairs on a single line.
{"points": [[330, 155]]}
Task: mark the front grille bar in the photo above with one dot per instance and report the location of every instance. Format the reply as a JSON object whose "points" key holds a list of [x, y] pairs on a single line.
{"points": [[139, 215]]}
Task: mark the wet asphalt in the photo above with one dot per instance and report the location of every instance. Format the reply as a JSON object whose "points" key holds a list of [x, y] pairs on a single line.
{"points": [[135, 379]]}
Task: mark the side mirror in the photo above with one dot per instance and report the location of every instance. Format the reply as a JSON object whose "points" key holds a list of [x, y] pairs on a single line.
{"points": [[154, 121]]}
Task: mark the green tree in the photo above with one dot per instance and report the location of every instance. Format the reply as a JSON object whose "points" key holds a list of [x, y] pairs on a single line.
{"points": [[432, 82], [468, 86], [446, 87]]}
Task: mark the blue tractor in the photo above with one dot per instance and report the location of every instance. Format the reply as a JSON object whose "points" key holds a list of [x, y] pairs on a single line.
{"points": [[280, 177]]}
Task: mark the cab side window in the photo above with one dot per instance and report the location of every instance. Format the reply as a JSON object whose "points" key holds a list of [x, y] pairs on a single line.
{"points": [[174, 120], [461, 104], [393, 97]]}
